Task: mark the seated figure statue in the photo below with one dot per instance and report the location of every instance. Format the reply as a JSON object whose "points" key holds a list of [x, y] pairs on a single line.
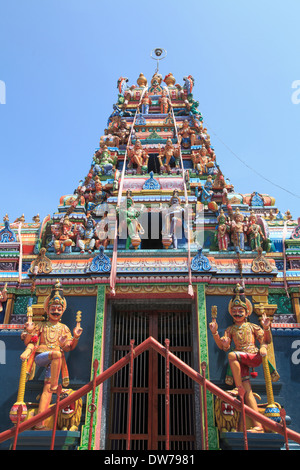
{"points": [[169, 156], [186, 136], [138, 157]]}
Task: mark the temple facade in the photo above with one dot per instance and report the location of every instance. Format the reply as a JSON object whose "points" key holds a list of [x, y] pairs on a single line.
{"points": [[153, 243]]}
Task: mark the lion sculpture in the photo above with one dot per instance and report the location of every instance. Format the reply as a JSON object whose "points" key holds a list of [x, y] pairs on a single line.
{"points": [[68, 418]]}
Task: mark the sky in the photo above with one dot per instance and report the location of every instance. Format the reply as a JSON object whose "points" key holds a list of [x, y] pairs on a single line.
{"points": [[59, 65]]}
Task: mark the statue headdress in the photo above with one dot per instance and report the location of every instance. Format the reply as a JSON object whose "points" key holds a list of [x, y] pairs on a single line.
{"points": [[238, 214], [66, 221], [239, 299], [129, 196], [56, 297], [221, 217], [175, 197]]}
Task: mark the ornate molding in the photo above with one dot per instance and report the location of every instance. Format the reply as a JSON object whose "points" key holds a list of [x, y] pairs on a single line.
{"points": [[69, 290], [42, 264], [261, 264], [150, 289], [228, 290]]}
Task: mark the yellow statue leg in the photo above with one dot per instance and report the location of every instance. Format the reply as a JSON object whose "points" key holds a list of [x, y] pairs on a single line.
{"points": [[56, 360], [237, 376], [44, 404]]}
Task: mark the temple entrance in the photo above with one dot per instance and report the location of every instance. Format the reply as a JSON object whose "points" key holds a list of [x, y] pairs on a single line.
{"points": [[148, 400]]}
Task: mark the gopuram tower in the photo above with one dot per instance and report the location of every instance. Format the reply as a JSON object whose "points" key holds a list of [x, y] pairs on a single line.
{"points": [[151, 244]]}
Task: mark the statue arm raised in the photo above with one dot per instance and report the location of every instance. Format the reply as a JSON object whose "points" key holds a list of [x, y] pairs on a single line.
{"points": [[222, 342]]}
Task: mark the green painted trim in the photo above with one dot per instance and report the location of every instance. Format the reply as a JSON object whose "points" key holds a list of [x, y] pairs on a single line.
{"points": [[213, 441], [97, 354]]}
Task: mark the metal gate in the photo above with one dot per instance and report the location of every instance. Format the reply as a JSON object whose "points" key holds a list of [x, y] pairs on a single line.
{"points": [[148, 399]]}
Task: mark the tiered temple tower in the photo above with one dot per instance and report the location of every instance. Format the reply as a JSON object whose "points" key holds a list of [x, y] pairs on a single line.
{"points": [[150, 240]]}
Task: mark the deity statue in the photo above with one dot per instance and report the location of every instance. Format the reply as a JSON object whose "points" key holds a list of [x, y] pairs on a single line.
{"points": [[188, 84], [63, 235], [246, 354], [46, 342], [145, 103], [101, 231], [164, 102], [105, 160], [186, 136], [86, 235], [206, 191], [255, 233], [173, 222], [197, 162], [238, 228], [101, 193], [117, 134], [128, 221], [219, 181], [222, 231], [122, 85], [169, 156], [203, 160], [138, 157]]}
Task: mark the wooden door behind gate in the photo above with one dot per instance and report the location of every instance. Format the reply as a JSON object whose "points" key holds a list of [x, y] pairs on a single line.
{"points": [[148, 400]]}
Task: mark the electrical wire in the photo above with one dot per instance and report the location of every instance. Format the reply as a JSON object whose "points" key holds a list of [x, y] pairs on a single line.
{"points": [[248, 166]]}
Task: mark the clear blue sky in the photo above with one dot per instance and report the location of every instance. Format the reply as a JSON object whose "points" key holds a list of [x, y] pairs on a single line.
{"points": [[60, 62]]}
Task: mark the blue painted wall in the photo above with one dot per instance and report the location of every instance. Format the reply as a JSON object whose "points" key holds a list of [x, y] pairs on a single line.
{"points": [[79, 360], [287, 354]]}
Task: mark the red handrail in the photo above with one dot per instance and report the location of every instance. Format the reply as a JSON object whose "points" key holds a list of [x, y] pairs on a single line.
{"points": [[194, 375]]}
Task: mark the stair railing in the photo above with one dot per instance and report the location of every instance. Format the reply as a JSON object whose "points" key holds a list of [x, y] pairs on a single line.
{"points": [[151, 343]]}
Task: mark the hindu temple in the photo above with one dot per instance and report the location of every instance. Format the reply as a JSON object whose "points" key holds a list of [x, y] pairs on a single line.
{"points": [[163, 300]]}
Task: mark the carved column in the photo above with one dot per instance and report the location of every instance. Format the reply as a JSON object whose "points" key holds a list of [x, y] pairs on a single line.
{"points": [[296, 305], [9, 308]]}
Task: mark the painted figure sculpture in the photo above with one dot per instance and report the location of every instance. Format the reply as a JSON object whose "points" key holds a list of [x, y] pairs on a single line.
{"points": [[222, 231], [101, 231], [164, 102], [138, 157], [244, 336], [169, 156], [238, 228], [145, 103], [63, 236], [206, 191], [129, 226], [105, 160], [255, 233], [117, 133], [46, 342], [186, 136], [86, 240], [173, 222]]}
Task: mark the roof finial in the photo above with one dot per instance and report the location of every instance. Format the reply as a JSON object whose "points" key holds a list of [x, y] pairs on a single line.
{"points": [[158, 54]]}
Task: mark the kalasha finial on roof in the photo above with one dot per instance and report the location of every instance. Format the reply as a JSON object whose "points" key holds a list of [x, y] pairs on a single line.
{"points": [[158, 54]]}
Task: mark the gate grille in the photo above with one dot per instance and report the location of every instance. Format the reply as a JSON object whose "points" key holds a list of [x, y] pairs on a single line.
{"points": [[148, 399]]}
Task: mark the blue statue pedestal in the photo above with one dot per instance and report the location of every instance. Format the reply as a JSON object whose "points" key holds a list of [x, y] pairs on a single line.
{"points": [[256, 441], [41, 440]]}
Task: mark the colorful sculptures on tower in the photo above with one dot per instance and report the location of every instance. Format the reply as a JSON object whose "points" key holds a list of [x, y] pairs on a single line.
{"points": [[162, 124], [246, 354]]}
